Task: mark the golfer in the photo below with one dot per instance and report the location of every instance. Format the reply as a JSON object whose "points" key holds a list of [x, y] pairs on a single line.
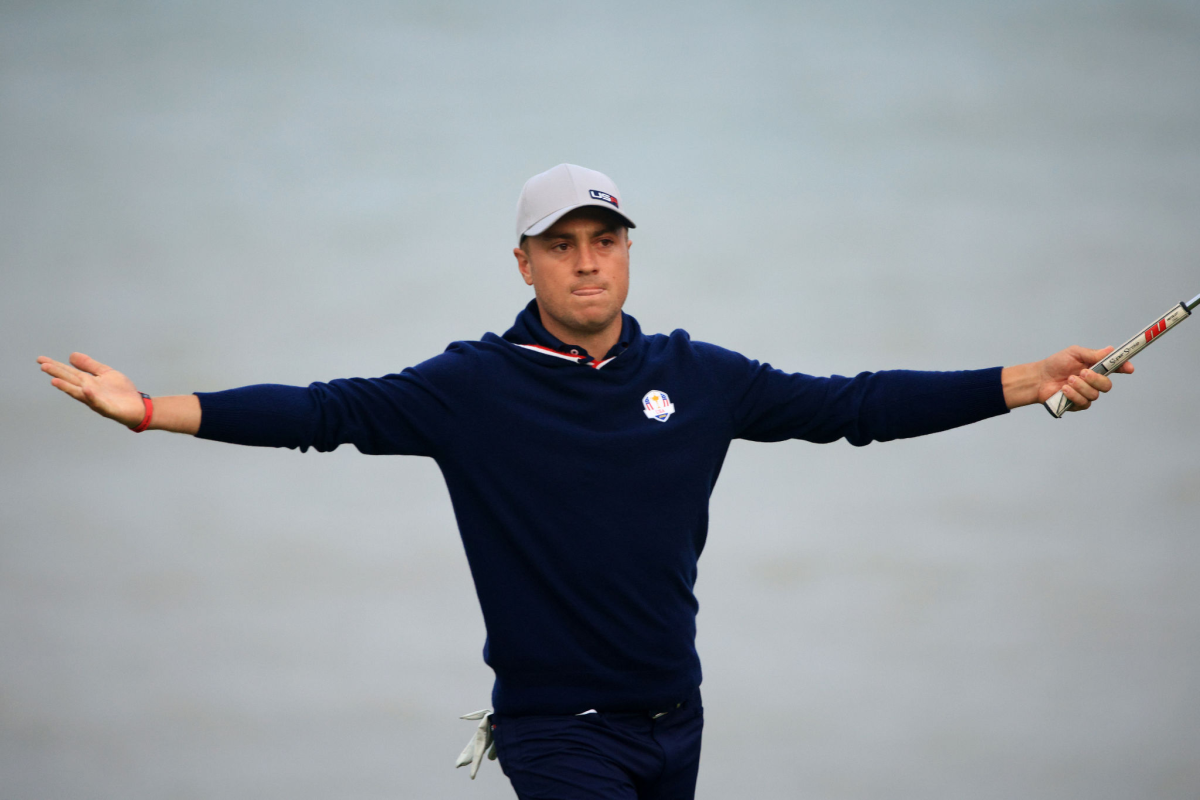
{"points": [[580, 454]]}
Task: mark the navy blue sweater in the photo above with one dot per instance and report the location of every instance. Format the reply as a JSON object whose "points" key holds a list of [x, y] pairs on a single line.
{"points": [[588, 599]]}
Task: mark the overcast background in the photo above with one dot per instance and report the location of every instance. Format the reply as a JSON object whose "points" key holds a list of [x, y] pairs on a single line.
{"points": [[206, 195]]}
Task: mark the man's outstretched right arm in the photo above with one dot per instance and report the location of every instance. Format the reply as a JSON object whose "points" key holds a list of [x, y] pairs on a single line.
{"points": [[408, 413], [111, 394]]}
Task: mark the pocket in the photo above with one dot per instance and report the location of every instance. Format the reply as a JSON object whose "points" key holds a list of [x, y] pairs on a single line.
{"points": [[506, 737]]}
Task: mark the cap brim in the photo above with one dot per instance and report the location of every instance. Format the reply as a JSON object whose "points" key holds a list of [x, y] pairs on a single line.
{"points": [[544, 224]]}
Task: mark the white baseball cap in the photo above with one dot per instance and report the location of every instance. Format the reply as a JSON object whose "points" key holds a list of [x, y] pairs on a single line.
{"points": [[548, 196]]}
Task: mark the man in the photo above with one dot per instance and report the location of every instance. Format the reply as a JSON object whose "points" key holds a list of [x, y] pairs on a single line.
{"points": [[580, 455]]}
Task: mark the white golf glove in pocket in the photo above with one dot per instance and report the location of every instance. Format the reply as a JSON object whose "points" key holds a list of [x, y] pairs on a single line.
{"points": [[482, 742]]}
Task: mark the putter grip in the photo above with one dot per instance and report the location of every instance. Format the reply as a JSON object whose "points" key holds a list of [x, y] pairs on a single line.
{"points": [[1058, 404]]}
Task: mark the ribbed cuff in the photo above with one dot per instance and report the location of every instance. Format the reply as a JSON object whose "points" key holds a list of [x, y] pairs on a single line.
{"points": [[264, 415]]}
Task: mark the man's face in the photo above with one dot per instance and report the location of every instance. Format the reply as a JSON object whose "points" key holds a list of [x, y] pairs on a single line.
{"points": [[579, 270]]}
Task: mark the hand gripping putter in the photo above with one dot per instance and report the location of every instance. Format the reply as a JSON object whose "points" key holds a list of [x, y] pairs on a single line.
{"points": [[1059, 404]]}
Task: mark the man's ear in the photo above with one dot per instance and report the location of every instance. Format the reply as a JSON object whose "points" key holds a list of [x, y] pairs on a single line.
{"points": [[523, 265]]}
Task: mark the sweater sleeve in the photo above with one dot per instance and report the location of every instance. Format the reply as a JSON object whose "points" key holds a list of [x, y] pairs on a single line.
{"points": [[409, 413], [770, 405]]}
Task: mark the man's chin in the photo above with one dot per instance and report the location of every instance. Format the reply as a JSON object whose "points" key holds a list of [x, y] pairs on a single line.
{"points": [[584, 318], [590, 326], [595, 320]]}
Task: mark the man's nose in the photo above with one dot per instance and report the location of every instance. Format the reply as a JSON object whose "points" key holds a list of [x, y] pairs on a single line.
{"points": [[587, 261]]}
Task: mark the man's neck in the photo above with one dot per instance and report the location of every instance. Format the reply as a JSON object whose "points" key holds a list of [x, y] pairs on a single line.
{"points": [[596, 343]]}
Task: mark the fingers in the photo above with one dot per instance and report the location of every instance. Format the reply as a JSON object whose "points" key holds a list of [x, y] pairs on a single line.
{"points": [[1082, 389], [1095, 356], [1096, 381], [70, 388], [1088, 356], [1124, 369], [57, 369], [89, 364], [1078, 401], [81, 366]]}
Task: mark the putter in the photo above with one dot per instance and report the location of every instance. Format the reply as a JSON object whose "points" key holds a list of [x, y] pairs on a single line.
{"points": [[1058, 404]]}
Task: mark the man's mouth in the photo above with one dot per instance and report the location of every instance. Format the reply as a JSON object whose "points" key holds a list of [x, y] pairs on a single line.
{"points": [[587, 291]]}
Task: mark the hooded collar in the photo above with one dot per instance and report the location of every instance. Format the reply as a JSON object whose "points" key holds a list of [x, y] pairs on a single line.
{"points": [[528, 332]]}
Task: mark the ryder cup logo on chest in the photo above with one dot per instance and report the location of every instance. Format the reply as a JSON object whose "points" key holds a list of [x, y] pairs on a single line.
{"points": [[657, 405]]}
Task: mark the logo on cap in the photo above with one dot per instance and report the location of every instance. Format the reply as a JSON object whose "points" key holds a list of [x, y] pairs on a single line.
{"points": [[596, 194], [656, 405]]}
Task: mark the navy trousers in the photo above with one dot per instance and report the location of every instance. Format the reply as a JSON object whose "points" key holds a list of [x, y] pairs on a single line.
{"points": [[645, 755]]}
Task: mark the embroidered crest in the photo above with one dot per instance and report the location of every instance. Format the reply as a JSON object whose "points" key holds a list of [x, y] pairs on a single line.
{"points": [[657, 405]]}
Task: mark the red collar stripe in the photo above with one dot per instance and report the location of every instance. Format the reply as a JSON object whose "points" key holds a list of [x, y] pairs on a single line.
{"points": [[577, 359]]}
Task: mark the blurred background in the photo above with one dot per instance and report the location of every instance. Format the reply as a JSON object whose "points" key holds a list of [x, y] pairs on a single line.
{"points": [[206, 195]]}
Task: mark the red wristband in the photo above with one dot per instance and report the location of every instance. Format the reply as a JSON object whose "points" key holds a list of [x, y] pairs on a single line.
{"points": [[149, 413]]}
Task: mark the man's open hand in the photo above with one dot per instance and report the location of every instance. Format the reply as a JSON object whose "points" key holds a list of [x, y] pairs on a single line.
{"points": [[1067, 371], [98, 386]]}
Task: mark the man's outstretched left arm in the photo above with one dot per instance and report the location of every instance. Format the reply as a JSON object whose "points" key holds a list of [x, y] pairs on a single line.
{"points": [[770, 405]]}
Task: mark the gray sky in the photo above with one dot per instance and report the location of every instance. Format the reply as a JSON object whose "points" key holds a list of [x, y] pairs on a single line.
{"points": [[210, 195]]}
